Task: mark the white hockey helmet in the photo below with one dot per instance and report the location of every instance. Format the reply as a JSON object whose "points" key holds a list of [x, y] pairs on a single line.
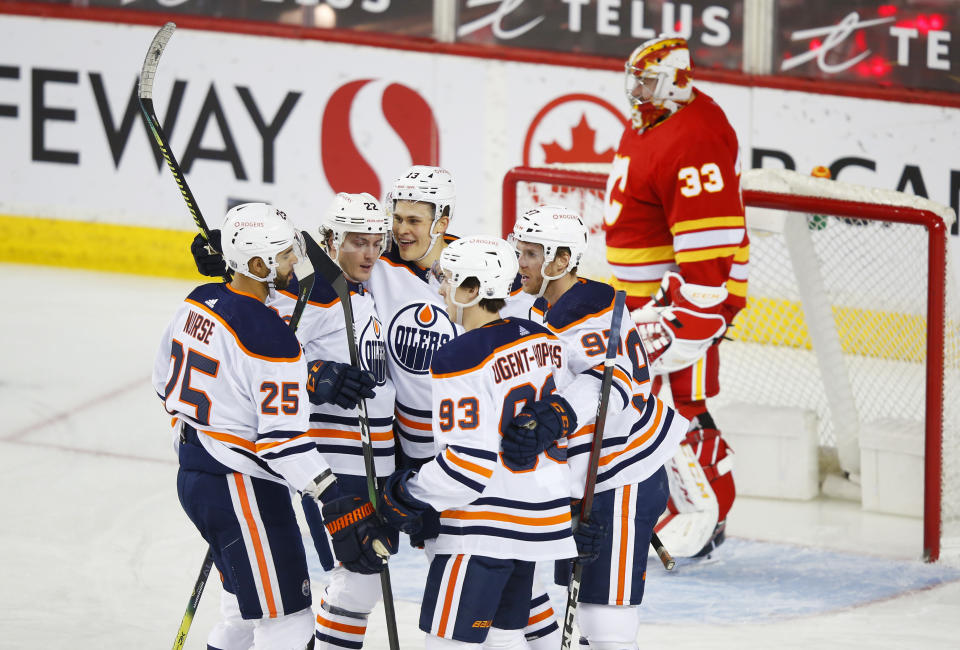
{"points": [[424, 184], [665, 59], [360, 213], [257, 230], [490, 260], [553, 227]]}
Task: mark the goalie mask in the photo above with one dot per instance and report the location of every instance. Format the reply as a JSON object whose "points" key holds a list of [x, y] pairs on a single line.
{"points": [[258, 230], [492, 261], [424, 184], [658, 80], [357, 213], [553, 227]]}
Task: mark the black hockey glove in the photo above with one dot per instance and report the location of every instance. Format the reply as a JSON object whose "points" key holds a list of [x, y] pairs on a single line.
{"points": [[537, 427], [329, 382], [398, 508], [209, 264], [360, 543], [588, 535]]}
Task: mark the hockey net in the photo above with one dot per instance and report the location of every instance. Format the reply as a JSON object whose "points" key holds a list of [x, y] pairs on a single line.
{"points": [[851, 314]]}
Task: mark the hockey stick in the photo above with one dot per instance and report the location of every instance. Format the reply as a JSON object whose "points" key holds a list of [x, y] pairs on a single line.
{"points": [[613, 342], [145, 93], [194, 601], [663, 553], [329, 271], [148, 74]]}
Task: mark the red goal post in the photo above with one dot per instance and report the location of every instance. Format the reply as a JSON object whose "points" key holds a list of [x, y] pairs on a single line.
{"points": [[844, 281]]}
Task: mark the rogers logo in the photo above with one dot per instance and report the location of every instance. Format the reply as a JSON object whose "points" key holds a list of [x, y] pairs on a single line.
{"points": [[359, 109], [575, 128]]}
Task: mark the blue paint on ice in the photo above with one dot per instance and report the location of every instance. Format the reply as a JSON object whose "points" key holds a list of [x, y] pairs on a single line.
{"points": [[744, 582]]}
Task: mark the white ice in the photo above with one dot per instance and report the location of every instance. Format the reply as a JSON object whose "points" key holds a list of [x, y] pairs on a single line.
{"points": [[96, 552]]}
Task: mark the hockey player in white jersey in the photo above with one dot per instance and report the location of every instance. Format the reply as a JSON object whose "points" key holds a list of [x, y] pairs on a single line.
{"points": [[422, 203], [234, 377], [497, 518], [354, 231], [641, 432], [416, 324]]}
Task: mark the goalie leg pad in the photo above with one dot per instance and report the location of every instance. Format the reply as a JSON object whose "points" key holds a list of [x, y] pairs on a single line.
{"points": [[716, 459], [692, 512]]}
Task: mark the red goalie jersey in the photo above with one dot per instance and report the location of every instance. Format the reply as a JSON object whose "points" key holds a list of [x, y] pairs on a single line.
{"points": [[673, 203]]}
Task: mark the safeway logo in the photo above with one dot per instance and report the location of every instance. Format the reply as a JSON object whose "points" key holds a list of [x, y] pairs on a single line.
{"points": [[575, 128], [352, 137]]}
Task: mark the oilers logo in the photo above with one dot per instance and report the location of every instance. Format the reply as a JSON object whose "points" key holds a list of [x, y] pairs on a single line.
{"points": [[373, 350], [416, 332]]}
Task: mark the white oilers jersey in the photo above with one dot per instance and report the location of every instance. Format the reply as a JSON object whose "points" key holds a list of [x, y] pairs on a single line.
{"points": [[519, 302], [235, 372], [417, 324], [641, 432], [489, 506], [322, 332]]}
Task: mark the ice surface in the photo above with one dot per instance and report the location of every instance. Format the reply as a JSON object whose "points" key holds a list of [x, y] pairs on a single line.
{"points": [[96, 552]]}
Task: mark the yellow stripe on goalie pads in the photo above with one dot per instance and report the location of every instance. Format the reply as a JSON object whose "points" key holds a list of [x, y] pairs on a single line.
{"points": [[688, 530]]}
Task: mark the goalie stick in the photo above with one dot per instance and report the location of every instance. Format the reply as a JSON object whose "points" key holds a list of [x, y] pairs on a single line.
{"points": [[662, 553], [613, 342], [148, 74], [333, 274]]}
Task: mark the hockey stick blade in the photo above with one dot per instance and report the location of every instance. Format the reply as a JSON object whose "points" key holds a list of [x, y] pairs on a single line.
{"points": [[148, 74]]}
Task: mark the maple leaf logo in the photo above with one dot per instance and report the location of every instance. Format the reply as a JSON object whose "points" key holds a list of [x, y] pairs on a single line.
{"points": [[582, 148]]}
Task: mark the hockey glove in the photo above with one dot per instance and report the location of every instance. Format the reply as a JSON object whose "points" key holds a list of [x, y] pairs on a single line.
{"points": [[681, 322], [329, 382], [207, 255], [356, 535], [537, 427], [588, 535], [398, 508]]}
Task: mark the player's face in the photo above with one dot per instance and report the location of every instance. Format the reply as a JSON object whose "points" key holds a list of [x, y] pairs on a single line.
{"points": [[285, 262], [358, 253], [449, 292], [530, 259], [411, 228]]}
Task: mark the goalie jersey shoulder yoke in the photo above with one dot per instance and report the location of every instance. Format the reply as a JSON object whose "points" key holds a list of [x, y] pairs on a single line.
{"points": [[487, 505], [229, 367], [641, 432]]}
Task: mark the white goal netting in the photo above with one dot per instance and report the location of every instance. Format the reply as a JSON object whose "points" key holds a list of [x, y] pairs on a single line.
{"points": [[850, 297]]}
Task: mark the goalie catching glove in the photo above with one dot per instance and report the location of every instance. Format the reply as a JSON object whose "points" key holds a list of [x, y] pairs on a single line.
{"points": [[329, 382], [537, 426], [681, 322]]}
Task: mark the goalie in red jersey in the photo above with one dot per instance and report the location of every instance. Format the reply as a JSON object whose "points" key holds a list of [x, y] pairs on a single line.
{"points": [[677, 244]]}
